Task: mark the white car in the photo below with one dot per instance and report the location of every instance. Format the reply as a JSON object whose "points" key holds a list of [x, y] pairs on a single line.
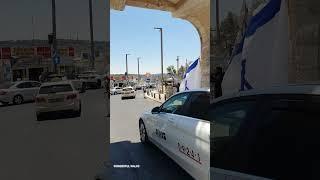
{"points": [[19, 92], [116, 90], [128, 92], [92, 79], [178, 127], [57, 97]]}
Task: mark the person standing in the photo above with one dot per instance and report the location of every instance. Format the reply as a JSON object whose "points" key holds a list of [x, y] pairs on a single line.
{"points": [[218, 77]]}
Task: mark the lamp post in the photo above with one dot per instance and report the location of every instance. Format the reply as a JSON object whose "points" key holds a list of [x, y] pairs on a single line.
{"points": [[138, 59], [162, 80], [127, 67], [92, 57], [54, 34]]}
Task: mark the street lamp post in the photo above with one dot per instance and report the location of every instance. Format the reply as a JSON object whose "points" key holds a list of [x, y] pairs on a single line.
{"points": [[127, 67], [54, 33], [138, 69], [92, 57], [162, 80]]}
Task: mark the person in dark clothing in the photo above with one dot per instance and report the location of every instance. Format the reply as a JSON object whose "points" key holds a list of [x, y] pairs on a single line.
{"points": [[178, 86], [218, 77]]}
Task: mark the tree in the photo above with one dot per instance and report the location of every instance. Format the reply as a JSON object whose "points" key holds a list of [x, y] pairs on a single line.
{"points": [[171, 70]]}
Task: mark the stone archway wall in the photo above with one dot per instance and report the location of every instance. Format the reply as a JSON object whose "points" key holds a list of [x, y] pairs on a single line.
{"points": [[197, 12]]}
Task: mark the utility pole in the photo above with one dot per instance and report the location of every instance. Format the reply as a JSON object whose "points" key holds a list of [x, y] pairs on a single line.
{"points": [[127, 73], [177, 65], [162, 80], [54, 34], [92, 57], [33, 28], [218, 20], [138, 69]]}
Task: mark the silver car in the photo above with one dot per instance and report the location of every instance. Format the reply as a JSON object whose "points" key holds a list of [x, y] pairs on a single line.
{"points": [[19, 92]]}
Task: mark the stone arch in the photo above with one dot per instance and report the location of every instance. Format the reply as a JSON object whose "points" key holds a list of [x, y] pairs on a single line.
{"points": [[196, 12]]}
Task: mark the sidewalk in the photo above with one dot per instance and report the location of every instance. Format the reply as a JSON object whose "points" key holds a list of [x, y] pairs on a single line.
{"points": [[155, 96]]}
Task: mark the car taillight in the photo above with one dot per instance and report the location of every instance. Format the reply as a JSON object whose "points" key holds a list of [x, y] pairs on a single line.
{"points": [[72, 96], [40, 99], [3, 92]]}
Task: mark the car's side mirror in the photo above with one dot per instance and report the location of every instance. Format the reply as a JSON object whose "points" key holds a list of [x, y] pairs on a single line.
{"points": [[155, 110]]}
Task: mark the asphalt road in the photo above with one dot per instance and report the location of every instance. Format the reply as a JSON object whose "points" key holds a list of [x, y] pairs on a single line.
{"points": [[126, 148], [63, 148]]}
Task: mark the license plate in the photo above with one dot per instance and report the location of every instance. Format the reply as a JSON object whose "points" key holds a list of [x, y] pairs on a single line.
{"points": [[55, 100]]}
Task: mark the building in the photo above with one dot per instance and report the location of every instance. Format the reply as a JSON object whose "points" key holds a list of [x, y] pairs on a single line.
{"points": [[27, 59]]}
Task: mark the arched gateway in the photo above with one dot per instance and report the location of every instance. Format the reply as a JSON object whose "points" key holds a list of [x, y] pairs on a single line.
{"points": [[196, 12]]}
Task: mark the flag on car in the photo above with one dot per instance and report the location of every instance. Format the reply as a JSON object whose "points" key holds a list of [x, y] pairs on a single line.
{"points": [[260, 59], [192, 77]]}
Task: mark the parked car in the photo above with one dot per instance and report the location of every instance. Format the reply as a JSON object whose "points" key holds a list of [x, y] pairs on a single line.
{"points": [[138, 87], [92, 79], [115, 90], [19, 92], [128, 92], [79, 85], [179, 128], [266, 134], [59, 97]]}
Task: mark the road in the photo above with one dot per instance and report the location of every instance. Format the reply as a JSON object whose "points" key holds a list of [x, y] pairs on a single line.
{"points": [[126, 148], [70, 148]]}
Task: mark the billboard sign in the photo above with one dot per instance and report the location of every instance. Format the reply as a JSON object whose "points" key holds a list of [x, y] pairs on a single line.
{"points": [[44, 51], [23, 52], [5, 53]]}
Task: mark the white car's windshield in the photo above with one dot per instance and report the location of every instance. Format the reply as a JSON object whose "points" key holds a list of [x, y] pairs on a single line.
{"points": [[55, 89]]}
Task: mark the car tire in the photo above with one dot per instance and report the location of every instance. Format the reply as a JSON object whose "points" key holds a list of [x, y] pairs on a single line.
{"points": [[17, 99], [143, 133], [78, 113], [99, 84], [122, 98], [39, 117]]}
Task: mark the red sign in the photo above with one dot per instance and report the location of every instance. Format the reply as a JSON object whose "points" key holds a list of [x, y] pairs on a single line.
{"points": [[5, 53], [71, 51], [44, 51]]}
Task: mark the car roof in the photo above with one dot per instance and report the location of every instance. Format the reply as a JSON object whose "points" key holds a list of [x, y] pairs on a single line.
{"points": [[56, 83], [307, 89], [195, 90]]}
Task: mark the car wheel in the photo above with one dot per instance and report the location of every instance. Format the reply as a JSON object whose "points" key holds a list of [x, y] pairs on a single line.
{"points": [[122, 98], [18, 99], [39, 117], [79, 111], [143, 132]]}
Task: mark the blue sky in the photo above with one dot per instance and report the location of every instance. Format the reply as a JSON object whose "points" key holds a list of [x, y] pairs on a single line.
{"points": [[132, 31]]}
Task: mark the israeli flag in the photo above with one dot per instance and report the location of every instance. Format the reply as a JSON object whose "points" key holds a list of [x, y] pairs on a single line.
{"points": [[192, 77], [261, 58]]}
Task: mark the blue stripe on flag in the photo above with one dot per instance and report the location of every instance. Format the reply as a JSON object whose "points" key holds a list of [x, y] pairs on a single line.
{"points": [[191, 67], [263, 17]]}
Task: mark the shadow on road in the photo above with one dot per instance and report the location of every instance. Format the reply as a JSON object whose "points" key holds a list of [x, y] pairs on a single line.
{"points": [[7, 105], [57, 116], [153, 163]]}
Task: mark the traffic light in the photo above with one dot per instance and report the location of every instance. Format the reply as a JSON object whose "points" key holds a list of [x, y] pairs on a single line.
{"points": [[50, 38]]}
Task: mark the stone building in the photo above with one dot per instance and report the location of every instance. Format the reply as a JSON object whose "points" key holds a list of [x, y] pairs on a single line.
{"points": [[29, 58]]}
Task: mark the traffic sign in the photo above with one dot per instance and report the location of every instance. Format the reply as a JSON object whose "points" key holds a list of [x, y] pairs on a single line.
{"points": [[56, 58]]}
